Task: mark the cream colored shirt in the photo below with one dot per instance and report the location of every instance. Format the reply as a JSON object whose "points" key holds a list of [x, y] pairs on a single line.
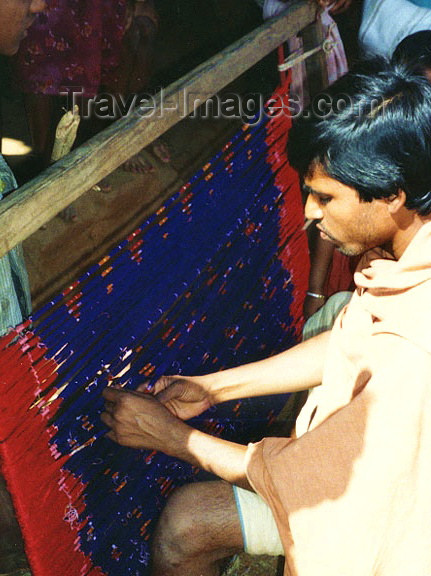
{"points": [[352, 494]]}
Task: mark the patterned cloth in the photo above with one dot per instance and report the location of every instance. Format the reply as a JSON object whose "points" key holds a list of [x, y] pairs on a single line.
{"points": [[15, 302], [76, 43]]}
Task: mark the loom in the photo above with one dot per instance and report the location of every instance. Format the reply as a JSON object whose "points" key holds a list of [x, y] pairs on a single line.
{"points": [[215, 278]]}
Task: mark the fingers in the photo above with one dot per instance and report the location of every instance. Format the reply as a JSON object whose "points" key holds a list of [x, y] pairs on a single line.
{"points": [[173, 398], [121, 403], [112, 394], [162, 383], [125, 439], [121, 409], [136, 420], [339, 6], [173, 391], [109, 407], [144, 387], [112, 436], [117, 402], [107, 419], [335, 6]]}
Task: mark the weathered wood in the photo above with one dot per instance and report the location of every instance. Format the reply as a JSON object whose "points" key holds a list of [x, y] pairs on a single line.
{"points": [[315, 66], [37, 202]]}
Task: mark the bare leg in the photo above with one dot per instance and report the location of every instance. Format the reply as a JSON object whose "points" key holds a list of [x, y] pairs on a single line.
{"points": [[197, 530]]}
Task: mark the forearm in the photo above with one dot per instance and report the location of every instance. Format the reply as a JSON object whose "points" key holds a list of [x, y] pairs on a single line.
{"points": [[140, 421], [219, 457], [298, 368]]}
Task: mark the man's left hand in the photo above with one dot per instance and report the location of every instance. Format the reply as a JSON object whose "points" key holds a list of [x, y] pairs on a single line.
{"points": [[139, 420]]}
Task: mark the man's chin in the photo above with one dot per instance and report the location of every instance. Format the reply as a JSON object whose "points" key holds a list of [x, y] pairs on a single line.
{"points": [[350, 251]]}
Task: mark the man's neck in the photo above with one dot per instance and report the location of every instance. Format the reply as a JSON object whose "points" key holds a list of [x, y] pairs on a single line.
{"points": [[405, 234]]}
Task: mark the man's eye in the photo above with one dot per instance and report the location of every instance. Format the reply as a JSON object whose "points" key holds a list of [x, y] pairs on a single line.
{"points": [[324, 200]]}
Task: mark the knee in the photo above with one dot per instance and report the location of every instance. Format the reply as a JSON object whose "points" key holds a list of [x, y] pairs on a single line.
{"points": [[178, 535]]}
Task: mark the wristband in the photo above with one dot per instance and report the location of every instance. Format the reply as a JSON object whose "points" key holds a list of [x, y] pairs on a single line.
{"points": [[316, 295]]}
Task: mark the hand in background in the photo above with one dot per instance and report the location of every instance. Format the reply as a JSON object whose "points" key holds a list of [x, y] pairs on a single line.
{"points": [[336, 7]]}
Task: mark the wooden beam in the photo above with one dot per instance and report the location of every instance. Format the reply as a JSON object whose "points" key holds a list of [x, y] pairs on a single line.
{"points": [[38, 201], [315, 66]]}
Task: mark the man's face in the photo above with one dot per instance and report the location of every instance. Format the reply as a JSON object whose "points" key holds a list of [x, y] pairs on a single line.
{"points": [[343, 219], [15, 17]]}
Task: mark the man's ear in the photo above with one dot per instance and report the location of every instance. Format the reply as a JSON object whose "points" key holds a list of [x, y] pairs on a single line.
{"points": [[396, 201]]}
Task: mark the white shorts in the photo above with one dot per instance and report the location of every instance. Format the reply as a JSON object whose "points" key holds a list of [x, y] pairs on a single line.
{"points": [[259, 530]]}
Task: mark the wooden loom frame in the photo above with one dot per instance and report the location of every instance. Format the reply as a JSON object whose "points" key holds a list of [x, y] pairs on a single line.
{"points": [[37, 202]]}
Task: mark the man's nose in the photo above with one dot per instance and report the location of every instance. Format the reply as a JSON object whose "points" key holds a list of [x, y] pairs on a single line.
{"points": [[313, 210]]}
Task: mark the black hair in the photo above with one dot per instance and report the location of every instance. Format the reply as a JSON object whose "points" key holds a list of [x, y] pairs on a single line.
{"points": [[415, 52], [370, 130]]}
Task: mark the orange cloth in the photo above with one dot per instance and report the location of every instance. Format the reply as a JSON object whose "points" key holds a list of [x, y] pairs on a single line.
{"points": [[352, 494]]}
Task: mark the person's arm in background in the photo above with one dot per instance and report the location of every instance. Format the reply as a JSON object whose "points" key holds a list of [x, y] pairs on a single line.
{"points": [[321, 253]]}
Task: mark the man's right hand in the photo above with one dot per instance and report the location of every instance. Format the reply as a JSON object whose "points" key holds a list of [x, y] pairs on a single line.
{"points": [[184, 396]]}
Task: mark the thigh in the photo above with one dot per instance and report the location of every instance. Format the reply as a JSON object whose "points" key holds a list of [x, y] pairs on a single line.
{"points": [[202, 517]]}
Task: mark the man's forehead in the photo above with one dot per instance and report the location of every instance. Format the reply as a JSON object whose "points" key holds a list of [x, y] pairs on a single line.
{"points": [[317, 180], [320, 183]]}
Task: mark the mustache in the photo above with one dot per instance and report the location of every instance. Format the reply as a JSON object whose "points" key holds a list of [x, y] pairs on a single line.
{"points": [[328, 234]]}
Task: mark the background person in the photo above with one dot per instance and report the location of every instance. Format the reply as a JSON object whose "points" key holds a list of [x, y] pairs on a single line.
{"points": [[386, 22], [85, 47], [16, 17]]}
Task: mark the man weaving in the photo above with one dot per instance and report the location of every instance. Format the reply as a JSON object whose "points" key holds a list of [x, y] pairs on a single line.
{"points": [[350, 494]]}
